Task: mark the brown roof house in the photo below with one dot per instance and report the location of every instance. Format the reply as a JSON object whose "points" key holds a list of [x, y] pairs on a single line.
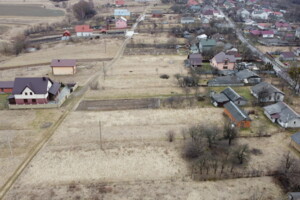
{"points": [[222, 61], [63, 66], [195, 59], [37, 90]]}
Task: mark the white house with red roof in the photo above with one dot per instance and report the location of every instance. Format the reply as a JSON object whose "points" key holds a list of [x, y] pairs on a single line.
{"points": [[83, 31], [267, 34]]}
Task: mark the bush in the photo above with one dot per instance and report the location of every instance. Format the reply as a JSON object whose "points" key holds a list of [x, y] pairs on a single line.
{"points": [[164, 76], [171, 136], [83, 10]]}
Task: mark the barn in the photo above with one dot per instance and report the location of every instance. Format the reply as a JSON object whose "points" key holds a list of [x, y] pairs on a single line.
{"points": [[238, 116], [63, 66]]}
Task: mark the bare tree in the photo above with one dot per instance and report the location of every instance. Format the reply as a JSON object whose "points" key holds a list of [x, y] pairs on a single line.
{"points": [[83, 10], [230, 132], [170, 135], [241, 153]]}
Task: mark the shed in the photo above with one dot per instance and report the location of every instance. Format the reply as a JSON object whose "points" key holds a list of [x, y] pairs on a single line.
{"points": [[195, 59], [63, 66], [6, 86], [239, 117], [157, 13]]}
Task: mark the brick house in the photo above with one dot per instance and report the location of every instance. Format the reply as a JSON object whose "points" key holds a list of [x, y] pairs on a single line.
{"points": [[37, 90], [221, 61], [238, 116]]}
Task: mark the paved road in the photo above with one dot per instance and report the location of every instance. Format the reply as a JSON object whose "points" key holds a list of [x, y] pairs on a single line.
{"points": [[76, 98], [277, 67]]}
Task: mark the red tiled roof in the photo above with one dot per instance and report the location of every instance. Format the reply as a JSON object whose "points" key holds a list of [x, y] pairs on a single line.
{"points": [[83, 28]]}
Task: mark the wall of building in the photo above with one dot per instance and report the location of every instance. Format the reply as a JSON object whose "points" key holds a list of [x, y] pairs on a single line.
{"points": [[84, 34], [63, 70], [242, 124], [6, 90], [30, 101]]}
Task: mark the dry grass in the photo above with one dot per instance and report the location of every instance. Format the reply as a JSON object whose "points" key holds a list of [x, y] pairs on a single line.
{"points": [[85, 50], [266, 49]]}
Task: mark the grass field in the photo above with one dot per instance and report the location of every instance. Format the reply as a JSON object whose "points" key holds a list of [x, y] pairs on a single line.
{"points": [[3, 101], [28, 10]]}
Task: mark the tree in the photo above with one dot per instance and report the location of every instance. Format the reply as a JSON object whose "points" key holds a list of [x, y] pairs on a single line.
{"points": [[263, 95], [294, 73], [211, 134], [241, 153], [19, 44], [83, 10], [229, 131]]}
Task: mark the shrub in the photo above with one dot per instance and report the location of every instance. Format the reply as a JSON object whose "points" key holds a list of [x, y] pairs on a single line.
{"points": [[164, 76]]}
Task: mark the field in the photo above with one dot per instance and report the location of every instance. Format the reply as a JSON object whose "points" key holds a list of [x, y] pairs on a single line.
{"points": [[28, 10], [83, 50], [135, 156], [266, 49], [139, 76], [21, 135]]}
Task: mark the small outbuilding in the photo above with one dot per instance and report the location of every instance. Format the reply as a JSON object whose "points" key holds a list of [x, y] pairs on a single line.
{"points": [[6, 86], [157, 13], [195, 59], [63, 66], [238, 116]]}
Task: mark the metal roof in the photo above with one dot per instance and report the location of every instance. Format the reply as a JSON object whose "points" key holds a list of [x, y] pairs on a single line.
{"points": [[221, 57], [236, 112], [6, 84], [54, 88], [63, 63], [37, 84], [231, 94], [221, 98], [285, 112], [245, 74], [265, 86]]}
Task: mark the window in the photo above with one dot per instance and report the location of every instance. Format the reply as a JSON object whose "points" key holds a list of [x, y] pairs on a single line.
{"points": [[33, 100], [225, 67], [25, 93], [226, 62], [30, 93], [25, 100], [294, 122]]}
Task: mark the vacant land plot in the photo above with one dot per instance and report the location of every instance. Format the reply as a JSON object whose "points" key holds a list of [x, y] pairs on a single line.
{"points": [[139, 76], [28, 10], [20, 131], [266, 49], [136, 158], [84, 50]]}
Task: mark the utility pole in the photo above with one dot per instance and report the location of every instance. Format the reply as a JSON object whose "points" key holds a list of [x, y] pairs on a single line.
{"points": [[8, 140], [100, 134]]}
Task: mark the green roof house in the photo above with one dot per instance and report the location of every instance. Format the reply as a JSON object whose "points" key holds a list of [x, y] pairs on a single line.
{"points": [[206, 44]]}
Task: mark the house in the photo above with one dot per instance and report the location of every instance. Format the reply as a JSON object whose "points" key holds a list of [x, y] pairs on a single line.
{"points": [[282, 114], [282, 26], [267, 92], [297, 33], [195, 59], [122, 13], [66, 35], [238, 116], [119, 2], [234, 96], [248, 77], [263, 26], [6, 86], [187, 20], [287, 56], [202, 37], [157, 13], [297, 51], [217, 14], [37, 90], [267, 34], [207, 44], [83, 31], [221, 61], [296, 143], [277, 14], [259, 14], [208, 14], [121, 23], [289, 37], [243, 13], [63, 66], [192, 3], [255, 32], [227, 95]]}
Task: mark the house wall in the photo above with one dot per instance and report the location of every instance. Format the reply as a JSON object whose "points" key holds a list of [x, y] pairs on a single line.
{"points": [[268, 36], [6, 90], [220, 66], [187, 21], [29, 101], [63, 70], [294, 123], [241, 124], [84, 34], [30, 96], [295, 145]]}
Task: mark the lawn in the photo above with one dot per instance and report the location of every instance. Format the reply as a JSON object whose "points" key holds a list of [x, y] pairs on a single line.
{"points": [[3, 101], [243, 91]]}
